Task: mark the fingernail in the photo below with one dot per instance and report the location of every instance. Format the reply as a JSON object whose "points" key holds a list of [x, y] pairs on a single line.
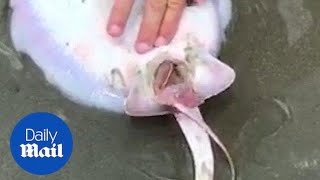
{"points": [[161, 41], [115, 30], [143, 47]]}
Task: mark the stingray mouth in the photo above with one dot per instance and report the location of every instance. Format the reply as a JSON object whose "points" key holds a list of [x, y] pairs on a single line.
{"points": [[172, 85]]}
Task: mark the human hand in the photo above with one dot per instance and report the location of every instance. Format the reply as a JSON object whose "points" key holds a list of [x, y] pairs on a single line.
{"points": [[159, 23]]}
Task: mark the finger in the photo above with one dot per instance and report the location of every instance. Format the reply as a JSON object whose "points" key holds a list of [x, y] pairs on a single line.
{"points": [[170, 22], [119, 16], [152, 17]]}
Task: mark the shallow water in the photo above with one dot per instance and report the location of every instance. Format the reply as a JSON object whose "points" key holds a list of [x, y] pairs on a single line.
{"points": [[269, 119]]}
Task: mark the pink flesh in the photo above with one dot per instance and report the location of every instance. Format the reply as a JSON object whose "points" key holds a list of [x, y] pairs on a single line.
{"points": [[170, 87]]}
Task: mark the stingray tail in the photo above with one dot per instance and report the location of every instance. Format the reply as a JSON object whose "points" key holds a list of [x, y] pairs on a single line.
{"points": [[197, 128], [200, 146]]}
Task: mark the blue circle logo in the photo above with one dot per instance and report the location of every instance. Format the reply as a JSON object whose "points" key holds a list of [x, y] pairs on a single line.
{"points": [[41, 143]]}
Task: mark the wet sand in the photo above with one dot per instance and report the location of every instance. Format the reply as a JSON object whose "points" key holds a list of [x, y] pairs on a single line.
{"points": [[269, 119]]}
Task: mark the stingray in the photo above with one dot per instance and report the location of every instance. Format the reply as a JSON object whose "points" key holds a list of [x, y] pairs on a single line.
{"points": [[67, 40]]}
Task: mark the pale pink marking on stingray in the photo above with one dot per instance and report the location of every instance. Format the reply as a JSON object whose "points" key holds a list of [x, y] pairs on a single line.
{"points": [[82, 50]]}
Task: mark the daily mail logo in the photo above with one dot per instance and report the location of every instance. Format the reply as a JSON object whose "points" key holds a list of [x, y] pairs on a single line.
{"points": [[33, 151], [41, 143]]}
